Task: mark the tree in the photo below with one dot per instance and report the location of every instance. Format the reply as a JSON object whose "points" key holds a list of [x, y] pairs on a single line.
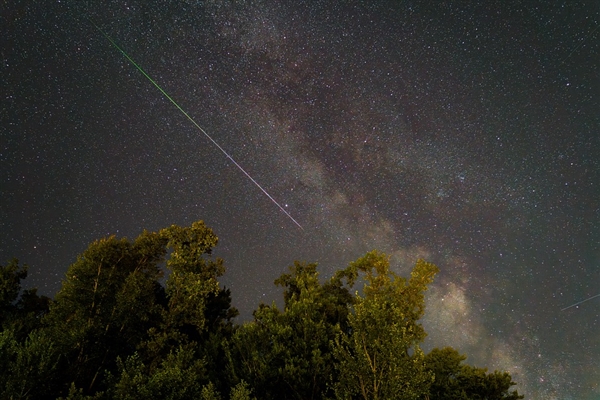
{"points": [[178, 376], [11, 276], [289, 354], [20, 310], [380, 357], [105, 306], [198, 313], [241, 391], [454, 381], [117, 329], [26, 366], [112, 305]]}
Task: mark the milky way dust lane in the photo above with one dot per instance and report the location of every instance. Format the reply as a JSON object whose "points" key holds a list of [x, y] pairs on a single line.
{"points": [[195, 124]]}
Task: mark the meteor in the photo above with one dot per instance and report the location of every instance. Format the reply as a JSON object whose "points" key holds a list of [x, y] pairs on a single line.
{"points": [[582, 301], [195, 124]]}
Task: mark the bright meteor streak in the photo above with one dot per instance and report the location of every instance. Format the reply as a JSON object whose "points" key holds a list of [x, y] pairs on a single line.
{"points": [[195, 124], [582, 301]]}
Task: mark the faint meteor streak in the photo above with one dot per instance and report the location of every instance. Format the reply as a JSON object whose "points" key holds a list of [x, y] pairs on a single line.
{"points": [[195, 124], [579, 45], [582, 301]]}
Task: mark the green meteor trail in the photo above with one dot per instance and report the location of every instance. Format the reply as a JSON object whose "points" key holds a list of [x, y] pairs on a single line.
{"points": [[194, 122]]}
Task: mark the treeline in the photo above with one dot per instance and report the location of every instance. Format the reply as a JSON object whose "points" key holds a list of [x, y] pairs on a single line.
{"points": [[116, 331]]}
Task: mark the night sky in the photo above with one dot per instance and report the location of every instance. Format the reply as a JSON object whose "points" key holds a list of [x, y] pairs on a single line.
{"points": [[465, 134]]}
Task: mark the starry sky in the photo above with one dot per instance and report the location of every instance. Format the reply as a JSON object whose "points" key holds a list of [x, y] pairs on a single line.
{"points": [[465, 133]]}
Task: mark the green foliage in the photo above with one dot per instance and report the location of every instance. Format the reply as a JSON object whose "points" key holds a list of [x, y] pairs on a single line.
{"points": [[112, 304], [115, 330], [241, 391], [454, 381], [197, 312], [77, 394], [19, 313], [177, 377], [26, 366], [11, 276], [192, 277], [209, 392], [105, 305], [380, 358], [289, 354]]}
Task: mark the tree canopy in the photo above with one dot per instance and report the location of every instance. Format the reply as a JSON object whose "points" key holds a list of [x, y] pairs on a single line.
{"points": [[117, 329]]}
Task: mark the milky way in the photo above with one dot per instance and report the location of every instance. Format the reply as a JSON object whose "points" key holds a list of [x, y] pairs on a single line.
{"points": [[468, 135]]}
